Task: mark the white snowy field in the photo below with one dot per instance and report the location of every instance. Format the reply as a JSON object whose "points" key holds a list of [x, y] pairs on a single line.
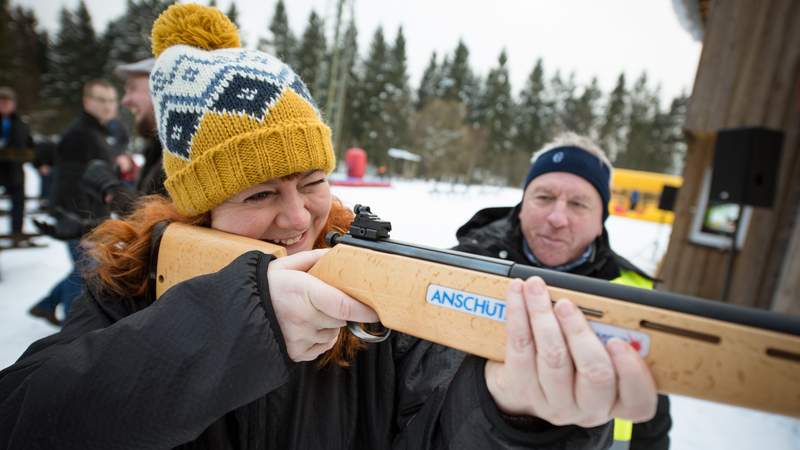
{"points": [[428, 214]]}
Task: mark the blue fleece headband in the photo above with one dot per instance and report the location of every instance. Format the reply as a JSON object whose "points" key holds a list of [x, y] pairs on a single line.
{"points": [[576, 161]]}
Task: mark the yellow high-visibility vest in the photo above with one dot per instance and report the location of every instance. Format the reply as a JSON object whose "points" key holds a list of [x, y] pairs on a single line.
{"points": [[623, 429]]}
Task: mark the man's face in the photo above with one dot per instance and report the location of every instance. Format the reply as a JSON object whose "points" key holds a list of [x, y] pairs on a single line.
{"points": [[7, 106], [101, 103], [561, 215], [138, 101]]}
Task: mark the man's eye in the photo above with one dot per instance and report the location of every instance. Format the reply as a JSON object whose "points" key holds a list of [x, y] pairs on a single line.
{"points": [[259, 196], [544, 198], [578, 205]]}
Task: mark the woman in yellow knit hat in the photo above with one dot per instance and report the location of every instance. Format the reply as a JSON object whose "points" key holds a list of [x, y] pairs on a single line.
{"points": [[255, 356]]}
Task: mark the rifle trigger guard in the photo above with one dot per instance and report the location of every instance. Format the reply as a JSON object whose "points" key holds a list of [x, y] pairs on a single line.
{"points": [[360, 332]]}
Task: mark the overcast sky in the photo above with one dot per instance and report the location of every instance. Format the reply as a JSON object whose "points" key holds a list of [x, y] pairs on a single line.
{"points": [[588, 37]]}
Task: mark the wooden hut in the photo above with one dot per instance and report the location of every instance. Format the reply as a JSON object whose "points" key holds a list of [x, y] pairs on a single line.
{"points": [[749, 75]]}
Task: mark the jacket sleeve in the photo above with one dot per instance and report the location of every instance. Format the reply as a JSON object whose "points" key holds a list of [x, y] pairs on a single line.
{"points": [[153, 379], [443, 402]]}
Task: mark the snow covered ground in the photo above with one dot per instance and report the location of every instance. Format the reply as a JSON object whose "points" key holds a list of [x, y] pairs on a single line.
{"points": [[424, 213]]}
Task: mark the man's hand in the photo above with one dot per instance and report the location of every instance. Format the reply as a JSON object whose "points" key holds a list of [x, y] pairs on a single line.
{"points": [[68, 226], [99, 180], [558, 370], [310, 312]]}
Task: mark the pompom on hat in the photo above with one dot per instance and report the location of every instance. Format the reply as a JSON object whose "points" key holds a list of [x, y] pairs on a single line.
{"points": [[228, 118]]}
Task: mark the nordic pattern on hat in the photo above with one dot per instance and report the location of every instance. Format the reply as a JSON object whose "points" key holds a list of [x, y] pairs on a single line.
{"points": [[188, 83]]}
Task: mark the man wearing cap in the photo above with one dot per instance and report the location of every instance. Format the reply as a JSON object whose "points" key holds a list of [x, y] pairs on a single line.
{"points": [[559, 225], [138, 101], [14, 135]]}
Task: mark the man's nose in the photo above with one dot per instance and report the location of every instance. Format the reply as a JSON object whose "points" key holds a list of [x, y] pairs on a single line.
{"points": [[558, 215]]}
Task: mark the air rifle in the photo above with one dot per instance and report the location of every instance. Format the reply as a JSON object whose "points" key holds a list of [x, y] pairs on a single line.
{"points": [[694, 347]]}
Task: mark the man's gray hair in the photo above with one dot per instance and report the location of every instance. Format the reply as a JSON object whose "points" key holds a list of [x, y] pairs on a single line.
{"points": [[571, 139]]}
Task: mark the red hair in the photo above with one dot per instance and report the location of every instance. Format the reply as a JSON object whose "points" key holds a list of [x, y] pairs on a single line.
{"points": [[121, 250]]}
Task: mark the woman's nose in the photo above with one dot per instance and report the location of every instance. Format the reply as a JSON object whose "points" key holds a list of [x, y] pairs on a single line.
{"points": [[294, 214]]}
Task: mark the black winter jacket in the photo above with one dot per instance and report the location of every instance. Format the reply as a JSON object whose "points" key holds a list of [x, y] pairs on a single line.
{"points": [[84, 140], [151, 177], [496, 232], [205, 367], [11, 173]]}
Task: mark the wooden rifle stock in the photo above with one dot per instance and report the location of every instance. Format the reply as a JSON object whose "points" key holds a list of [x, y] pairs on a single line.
{"points": [[694, 347]]}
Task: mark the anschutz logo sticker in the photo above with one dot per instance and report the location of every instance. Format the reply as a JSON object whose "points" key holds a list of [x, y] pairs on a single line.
{"points": [[495, 309], [477, 305]]}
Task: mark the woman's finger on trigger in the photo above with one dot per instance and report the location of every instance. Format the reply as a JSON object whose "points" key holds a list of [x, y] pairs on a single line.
{"points": [[337, 304]]}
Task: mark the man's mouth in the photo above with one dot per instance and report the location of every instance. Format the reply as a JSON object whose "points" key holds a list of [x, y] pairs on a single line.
{"points": [[550, 240]]}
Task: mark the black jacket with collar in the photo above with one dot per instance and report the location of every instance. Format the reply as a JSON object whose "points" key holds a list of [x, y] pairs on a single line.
{"points": [[205, 367], [495, 232], [83, 141]]}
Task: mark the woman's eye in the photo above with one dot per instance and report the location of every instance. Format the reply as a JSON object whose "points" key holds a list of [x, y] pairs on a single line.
{"points": [[259, 196], [314, 183]]}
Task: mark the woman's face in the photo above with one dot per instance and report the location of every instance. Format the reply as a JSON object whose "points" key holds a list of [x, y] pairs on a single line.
{"points": [[289, 211]]}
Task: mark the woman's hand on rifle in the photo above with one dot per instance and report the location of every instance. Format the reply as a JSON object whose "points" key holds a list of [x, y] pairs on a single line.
{"points": [[557, 369], [310, 312]]}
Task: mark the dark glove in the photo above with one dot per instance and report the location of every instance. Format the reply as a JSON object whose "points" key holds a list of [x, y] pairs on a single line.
{"points": [[68, 226], [99, 179]]}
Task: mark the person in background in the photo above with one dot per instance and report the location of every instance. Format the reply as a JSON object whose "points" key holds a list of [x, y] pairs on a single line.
{"points": [[560, 225], [100, 178], [257, 355], [85, 140], [14, 135]]}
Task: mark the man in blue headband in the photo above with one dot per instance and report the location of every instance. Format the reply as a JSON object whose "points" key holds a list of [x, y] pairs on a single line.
{"points": [[560, 225]]}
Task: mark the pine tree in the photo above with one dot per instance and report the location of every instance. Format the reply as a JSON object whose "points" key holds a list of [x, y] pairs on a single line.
{"points": [[645, 148], [374, 95], [7, 50], [398, 105], [349, 122], [27, 64], [458, 77], [128, 36], [498, 108], [428, 85], [532, 118], [282, 43], [613, 127], [673, 132], [583, 112], [310, 61], [562, 102], [75, 59]]}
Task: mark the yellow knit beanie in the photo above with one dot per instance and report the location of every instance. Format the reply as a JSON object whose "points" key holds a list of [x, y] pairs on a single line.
{"points": [[228, 118]]}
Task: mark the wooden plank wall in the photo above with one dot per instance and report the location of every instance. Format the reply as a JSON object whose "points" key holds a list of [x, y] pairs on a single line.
{"points": [[749, 75]]}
